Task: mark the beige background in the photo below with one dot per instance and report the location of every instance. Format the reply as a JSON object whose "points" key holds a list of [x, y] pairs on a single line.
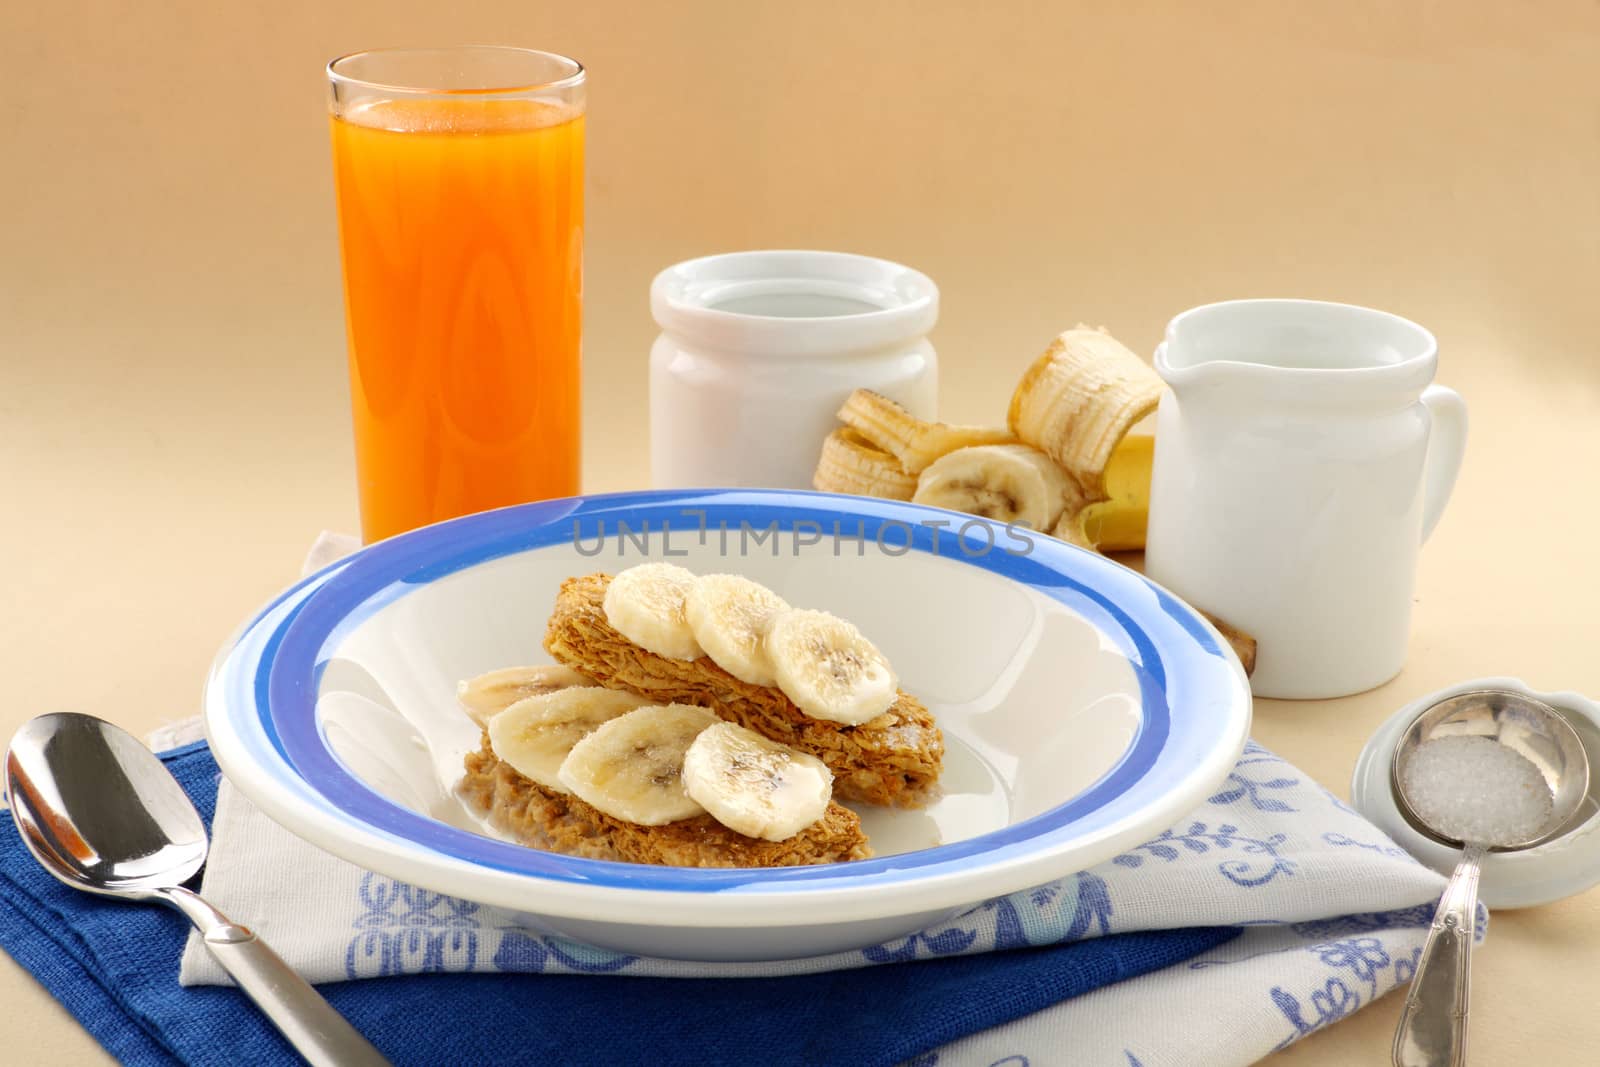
{"points": [[173, 426]]}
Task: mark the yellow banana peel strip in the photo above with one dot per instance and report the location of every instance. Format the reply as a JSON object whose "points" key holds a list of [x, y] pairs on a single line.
{"points": [[1117, 523]]}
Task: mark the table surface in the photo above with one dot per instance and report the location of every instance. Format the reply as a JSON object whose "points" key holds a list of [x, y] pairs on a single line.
{"points": [[173, 411]]}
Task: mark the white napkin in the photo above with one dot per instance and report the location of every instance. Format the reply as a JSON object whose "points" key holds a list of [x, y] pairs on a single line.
{"points": [[1337, 915]]}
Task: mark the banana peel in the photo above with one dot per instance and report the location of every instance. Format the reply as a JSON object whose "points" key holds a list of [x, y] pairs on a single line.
{"points": [[1244, 646], [1118, 523]]}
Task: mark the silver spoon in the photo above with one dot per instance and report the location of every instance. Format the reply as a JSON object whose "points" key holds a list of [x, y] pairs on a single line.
{"points": [[1433, 1023], [100, 812]]}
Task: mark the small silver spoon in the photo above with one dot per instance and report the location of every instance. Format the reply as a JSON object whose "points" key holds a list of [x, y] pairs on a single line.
{"points": [[1433, 1024], [100, 812]]}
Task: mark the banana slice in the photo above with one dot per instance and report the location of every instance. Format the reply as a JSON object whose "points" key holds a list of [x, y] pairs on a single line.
{"points": [[850, 463], [632, 766], [645, 605], [756, 787], [730, 616], [487, 695], [914, 442], [535, 734], [829, 669], [1007, 483], [1079, 398]]}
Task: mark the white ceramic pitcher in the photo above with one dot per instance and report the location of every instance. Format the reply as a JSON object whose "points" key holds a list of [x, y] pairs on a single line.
{"points": [[1302, 457]]}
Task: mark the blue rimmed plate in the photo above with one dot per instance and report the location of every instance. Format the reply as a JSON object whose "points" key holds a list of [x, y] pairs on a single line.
{"points": [[1084, 709]]}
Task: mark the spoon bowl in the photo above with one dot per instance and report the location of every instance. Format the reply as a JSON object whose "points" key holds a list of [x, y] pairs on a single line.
{"points": [[98, 810], [102, 814], [1433, 1023], [1529, 727]]}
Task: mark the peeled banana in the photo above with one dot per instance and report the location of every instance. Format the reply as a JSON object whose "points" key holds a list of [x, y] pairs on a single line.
{"points": [[631, 767], [822, 663], [485, 696], [645, 604], [535, 735], [730, 616], [829, 668], [915, 442], [757, 787], [1075, 404], [1078, 399], [1007, 483], [850, 463]]}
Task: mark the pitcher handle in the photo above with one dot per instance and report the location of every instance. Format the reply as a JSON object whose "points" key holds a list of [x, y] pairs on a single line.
{"points": [[1447, 443]]}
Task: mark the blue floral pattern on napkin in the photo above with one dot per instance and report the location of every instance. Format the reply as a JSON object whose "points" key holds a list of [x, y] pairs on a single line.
{"points": [[1335, 914]]}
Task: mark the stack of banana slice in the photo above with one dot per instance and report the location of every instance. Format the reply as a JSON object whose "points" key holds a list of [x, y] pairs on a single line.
{"points": [[651, 764], [822, 663], [1063, 465], [645, 764]]}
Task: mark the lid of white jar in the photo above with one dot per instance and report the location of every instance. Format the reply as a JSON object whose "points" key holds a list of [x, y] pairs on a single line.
{"points": [[794, 303]]}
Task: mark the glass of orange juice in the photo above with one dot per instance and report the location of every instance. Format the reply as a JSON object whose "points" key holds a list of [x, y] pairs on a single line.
{"points": [[459, 174]]}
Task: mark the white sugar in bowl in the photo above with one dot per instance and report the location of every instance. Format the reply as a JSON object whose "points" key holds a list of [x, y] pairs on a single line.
{"points": [[1567, 863], [758, 350]]}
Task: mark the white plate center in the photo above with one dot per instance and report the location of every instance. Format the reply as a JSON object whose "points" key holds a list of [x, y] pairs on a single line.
{"points": [[1036, 705]]}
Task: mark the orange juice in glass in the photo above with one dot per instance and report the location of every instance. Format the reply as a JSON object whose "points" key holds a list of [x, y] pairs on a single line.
{"points": [[459, 174]]}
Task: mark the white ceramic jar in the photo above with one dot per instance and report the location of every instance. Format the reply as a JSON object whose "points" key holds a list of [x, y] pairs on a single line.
{"points": [[759, 349]]}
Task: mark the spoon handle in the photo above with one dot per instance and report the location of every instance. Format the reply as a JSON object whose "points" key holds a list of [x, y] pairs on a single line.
{"points": [[1433, 1024], [300, 1013]]}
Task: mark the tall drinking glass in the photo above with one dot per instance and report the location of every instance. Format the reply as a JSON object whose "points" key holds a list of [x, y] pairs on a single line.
{"points": [[459, 174]]}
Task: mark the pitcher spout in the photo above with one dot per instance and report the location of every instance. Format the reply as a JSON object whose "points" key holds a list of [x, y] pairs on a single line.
{"points": [[1300, 352]]}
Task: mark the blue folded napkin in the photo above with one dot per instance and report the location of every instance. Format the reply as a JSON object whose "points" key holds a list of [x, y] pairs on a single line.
{"points": [[114, 965]]}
